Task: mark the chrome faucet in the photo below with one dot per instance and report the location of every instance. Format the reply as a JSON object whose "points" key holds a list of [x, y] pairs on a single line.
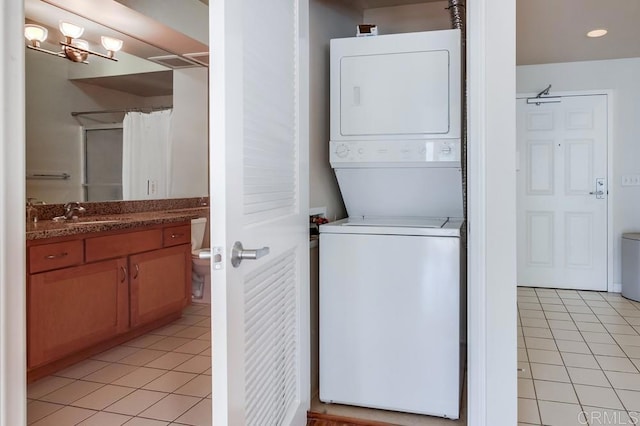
{"points": [[71, 208]]}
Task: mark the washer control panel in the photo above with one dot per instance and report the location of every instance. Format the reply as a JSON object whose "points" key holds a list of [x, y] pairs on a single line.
{"points": [[447, 150]]}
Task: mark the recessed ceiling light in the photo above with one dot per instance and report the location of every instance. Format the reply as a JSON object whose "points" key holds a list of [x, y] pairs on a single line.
{"points": [[597, 33]]}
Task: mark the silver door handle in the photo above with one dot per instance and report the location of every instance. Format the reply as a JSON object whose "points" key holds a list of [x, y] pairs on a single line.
{"points": [[599, 192], [239, 253]]}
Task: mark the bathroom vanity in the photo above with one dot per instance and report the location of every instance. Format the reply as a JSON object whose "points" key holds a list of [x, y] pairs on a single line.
{"points": [[94, 284]]}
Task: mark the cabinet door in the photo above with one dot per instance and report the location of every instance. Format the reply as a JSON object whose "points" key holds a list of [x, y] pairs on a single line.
{"points": [[73, 308], [160, 283]]}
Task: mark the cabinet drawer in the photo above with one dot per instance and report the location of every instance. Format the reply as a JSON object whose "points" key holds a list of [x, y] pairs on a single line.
{"points": [[112, 246], [54, 256], [176, 235]]}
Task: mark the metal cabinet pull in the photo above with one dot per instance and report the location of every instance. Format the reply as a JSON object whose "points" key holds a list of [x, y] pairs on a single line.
{"points": [[239, 253], [57, 256], [137, 271], [124, 274], [177, 235]]}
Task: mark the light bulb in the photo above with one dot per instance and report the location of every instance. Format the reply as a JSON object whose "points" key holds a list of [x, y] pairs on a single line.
{"points": [[82, 44], [597, 33], [70, 30], [111, 44], [35, 33]]}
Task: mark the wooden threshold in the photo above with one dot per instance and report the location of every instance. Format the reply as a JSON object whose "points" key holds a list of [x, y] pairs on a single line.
{"points": [[323, 419]]}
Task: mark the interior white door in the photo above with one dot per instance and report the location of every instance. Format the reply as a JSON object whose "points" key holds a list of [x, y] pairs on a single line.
{"points": [[259, 197], [562, 193]]}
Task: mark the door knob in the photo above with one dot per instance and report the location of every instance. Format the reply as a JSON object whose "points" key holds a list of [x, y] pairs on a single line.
{"points": [[239, 253]]}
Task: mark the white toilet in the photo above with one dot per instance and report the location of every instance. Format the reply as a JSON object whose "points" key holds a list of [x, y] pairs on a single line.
{"points": [[201, 263]]}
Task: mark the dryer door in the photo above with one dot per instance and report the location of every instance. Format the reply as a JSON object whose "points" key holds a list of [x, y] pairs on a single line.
{"points": [[396, 87], [395, 94]]}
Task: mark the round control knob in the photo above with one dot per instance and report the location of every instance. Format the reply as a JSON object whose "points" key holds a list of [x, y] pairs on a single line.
{"points": [[361, 151], [342, 150]]}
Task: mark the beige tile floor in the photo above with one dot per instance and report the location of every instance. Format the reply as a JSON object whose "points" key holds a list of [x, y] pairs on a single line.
{"points": [[579, 355], [160, 378], [578, 358]]}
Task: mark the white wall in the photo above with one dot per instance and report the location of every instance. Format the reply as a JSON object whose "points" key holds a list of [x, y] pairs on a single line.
{"points": [[190, 133], [53, 136], [620, 76], [409, 18], [328, 20]]}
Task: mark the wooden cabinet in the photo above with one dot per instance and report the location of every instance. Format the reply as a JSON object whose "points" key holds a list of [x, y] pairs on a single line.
{"points": [[154, 275], [176, 235], [110, 246], [83, 291], [72, 308], [52, 256]]}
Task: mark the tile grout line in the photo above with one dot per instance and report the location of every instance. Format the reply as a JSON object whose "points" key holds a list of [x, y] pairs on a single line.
{"points": [[533, 381], [582, 410], [593, 354], [526, 349], [573, 385], [615, 390]]}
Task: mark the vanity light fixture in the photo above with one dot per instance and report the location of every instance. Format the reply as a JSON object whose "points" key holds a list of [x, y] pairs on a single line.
{"points": [[597, 33], [73, 48]]}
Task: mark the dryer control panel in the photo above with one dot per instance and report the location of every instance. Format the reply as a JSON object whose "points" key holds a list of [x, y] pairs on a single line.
{"points": [[411, 151]]}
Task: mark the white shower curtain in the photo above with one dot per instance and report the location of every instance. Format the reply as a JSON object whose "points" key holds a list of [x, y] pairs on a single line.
{"points": [[146, 160]]}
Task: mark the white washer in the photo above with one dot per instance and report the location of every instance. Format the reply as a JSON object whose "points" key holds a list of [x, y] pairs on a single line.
{"points": [[390, 325]]}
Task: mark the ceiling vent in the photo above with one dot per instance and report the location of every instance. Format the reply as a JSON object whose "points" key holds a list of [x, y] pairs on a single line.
{"points": [[174, 61], [202, 58]]}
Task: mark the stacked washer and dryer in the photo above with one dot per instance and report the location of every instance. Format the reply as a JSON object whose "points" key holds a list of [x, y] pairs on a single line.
{"points": [[392, 275]]}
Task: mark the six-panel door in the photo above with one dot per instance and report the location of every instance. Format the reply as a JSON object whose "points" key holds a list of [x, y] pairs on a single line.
{"points": [[562, 193]]}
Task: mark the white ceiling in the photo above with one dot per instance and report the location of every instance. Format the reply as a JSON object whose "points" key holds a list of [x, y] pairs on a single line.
{"points": [[551, 31]]}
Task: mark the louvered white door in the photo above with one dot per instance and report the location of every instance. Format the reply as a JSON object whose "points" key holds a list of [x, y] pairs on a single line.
{"points": [[562, 193], [259, 197]]}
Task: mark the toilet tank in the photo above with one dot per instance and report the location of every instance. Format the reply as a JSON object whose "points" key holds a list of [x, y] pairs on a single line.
{"points": [[198, 227]]}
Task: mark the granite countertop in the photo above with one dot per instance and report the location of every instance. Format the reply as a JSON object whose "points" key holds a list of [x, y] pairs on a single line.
{"points": [[100, 223]]}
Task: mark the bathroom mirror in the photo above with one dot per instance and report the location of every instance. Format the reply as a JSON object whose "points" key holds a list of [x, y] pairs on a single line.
{"points": [[77, 147]]}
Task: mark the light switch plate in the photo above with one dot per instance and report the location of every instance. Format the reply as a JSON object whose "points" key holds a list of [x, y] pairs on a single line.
{"points": [[630, 180]]}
